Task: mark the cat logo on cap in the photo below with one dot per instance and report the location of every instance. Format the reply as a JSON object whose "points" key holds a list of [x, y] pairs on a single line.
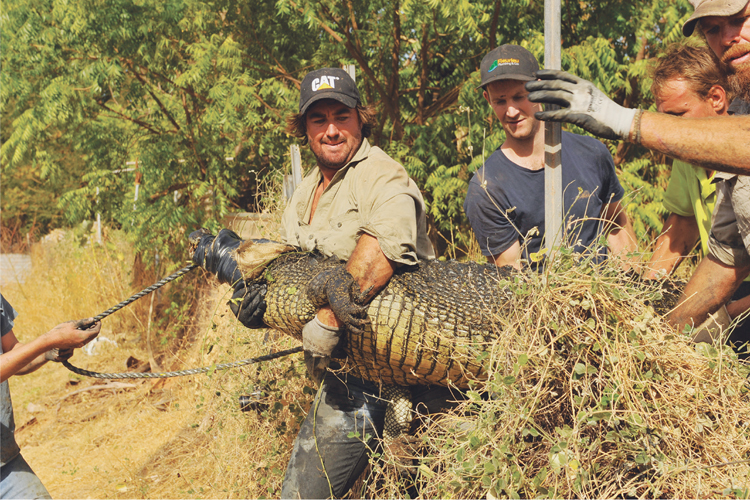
{"points": [[324, 82]]}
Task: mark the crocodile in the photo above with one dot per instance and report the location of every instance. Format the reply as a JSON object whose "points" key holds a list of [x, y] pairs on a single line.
{"points": [[430, 325]]}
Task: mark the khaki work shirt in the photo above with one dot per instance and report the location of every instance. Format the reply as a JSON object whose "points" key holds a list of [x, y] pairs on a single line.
{"points": [[729, 242], [371, 194]]}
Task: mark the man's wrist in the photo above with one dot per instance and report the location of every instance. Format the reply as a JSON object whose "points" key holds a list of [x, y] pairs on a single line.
{"points": [[635, 127], [327, 318]]}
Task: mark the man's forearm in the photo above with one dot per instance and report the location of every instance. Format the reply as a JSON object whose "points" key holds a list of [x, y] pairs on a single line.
{"points": [[24, 358], [738, 307], [672, 245], [369, 266], [719, 143], [710, 287], [621, 237], [34, 365]]}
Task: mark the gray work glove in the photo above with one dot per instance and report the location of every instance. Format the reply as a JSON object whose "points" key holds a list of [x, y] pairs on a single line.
{"points": [[319, 341], [583, 104]]}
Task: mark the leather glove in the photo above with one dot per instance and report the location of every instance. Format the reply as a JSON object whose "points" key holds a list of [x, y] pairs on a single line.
{"points": [[58, 355], [583, 104], [248, 303], [337, 288], [319, 341], [213, 253]]}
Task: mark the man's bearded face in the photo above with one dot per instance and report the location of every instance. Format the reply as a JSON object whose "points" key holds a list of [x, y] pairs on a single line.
{"points": [[729, 39]]}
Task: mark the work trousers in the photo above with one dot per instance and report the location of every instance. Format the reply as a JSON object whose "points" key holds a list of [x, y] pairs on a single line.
{"points": [[340, 432], [17, 480]]}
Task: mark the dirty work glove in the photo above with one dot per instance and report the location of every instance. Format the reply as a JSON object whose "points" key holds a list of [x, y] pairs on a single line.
{"points": [[213, 253], [319, 341], [58, 355], [583, 104], [248, 303], [337, 288]]}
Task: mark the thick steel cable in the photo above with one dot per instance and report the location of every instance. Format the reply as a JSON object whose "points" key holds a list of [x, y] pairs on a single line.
{"points": [[182, 373], [145, 291]]}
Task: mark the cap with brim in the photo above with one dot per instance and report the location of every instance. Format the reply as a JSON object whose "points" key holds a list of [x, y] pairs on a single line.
{"points": [[328, 83], [508, 62], [705, 8]]}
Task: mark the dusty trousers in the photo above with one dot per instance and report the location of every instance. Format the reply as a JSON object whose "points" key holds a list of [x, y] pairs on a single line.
{"points": [[342, 428]]}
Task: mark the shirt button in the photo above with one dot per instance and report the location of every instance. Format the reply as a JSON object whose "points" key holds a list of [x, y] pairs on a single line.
{"points": [[309, 237], [339, 224]]}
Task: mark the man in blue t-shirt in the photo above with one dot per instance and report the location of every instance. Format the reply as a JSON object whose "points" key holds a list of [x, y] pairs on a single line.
{"points": [[505, 199]]}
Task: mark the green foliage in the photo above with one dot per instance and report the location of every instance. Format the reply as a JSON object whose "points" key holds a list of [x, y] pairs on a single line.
{"points": [[197, 94]]}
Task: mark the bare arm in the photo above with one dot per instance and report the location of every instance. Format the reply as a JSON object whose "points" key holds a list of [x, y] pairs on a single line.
{"points": [[671, 247], [718, 143], [19, 358], [510, 257], [369, 266], [711, 286], [620, 234], [738, 307]]}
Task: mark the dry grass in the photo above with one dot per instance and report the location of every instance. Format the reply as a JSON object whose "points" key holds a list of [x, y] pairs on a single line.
{"points": [[589, 395], [162, 438]]}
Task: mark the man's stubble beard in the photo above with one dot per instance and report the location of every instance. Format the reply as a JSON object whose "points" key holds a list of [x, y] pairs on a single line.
{"points": [[737, 76], [739, 81]]}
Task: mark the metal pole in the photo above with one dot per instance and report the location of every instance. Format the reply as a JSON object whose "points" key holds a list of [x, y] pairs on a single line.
{"points": [[351, 69], [553, 188], [296, 165], [98, 220]]}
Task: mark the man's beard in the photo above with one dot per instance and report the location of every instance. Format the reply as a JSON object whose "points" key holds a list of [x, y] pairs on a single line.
{"points": [[737, 76]]}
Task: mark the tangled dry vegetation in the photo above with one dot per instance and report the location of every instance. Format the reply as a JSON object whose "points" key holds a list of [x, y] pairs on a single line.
{"points": [[590, 395]]}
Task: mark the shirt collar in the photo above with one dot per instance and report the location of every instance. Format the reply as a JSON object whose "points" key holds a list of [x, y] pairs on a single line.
{"points": [[739, 107], [362, 153], [722, 176]]}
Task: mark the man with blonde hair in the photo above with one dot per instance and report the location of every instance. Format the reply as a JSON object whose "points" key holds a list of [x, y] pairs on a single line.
{"points": [[688, 82], [505, 198]]}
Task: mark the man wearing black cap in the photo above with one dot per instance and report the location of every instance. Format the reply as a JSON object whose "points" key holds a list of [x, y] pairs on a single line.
{"points": [[717, 143], [360, 205], [505, 198]]}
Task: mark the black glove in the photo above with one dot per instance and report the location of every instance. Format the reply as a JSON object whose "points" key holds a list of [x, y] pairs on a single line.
{"points": [[337, 288], [248, 303], [583, 104], [213, 253]]}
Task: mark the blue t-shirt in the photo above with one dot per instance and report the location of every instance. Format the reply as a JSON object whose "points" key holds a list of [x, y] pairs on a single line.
{"points": [[8, 447], [513, 204]]}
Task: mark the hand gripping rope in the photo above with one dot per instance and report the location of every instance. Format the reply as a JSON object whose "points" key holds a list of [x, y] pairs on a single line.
{"points": [[180, 373]]}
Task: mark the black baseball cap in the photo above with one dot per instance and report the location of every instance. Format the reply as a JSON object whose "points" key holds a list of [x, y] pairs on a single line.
{"points": [[328, 83], [508, 62]]}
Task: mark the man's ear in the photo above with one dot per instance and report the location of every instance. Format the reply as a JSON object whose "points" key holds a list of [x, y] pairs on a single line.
{"points": [[717, 98], [486, 96]]}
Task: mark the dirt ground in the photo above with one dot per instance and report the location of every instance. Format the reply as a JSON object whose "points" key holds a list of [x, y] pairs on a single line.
{"points": [[180, 437]]}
